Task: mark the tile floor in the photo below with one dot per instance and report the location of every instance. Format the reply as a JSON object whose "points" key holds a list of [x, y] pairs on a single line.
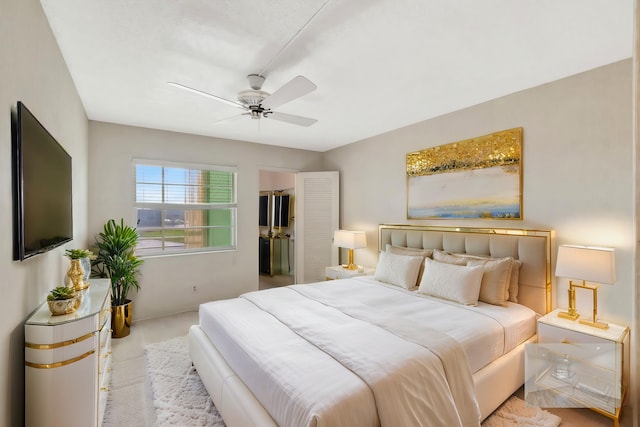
{"points": [[130, 399]]}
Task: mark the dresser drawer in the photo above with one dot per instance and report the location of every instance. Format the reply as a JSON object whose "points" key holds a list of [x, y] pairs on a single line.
{"points": [[554, 334], [61, 353]]}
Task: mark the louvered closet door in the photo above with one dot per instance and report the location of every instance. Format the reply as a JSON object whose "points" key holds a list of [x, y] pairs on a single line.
{"points": [[316, 217]]}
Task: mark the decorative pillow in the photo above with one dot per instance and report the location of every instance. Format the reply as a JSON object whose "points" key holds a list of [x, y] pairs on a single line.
{"points": [[448, 258], [399, 250], [451, 258], [495, 280], [399, 270], [452, 282], [513, 282]]}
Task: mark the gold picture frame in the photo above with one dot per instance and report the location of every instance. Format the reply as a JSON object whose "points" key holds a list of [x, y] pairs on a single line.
{"points": [[477, 178]]}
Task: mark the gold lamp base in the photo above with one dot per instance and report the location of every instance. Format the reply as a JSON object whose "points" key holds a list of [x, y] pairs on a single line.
{"points": [[568, 315], [572, 314], [595, 324], [351, 265]]}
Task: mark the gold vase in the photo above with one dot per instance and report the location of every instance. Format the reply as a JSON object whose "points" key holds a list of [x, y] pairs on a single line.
{"points": [[121, 319], [76, 276]]}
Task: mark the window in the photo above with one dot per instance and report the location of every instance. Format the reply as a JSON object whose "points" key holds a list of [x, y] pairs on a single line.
{"points": [[184, 208]]}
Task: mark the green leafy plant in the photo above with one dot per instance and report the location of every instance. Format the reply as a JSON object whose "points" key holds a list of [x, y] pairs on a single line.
{"points": [[116, 259], [79, 253], [61, 293]]}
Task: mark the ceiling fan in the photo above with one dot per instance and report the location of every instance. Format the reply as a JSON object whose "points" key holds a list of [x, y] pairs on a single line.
{"points": [[256, 103]]}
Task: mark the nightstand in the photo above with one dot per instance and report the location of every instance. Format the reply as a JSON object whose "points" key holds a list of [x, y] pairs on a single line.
{"points": [[338, 272], [575, 365]]}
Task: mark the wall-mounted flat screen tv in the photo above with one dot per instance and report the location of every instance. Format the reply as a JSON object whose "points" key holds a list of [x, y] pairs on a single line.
{"points": [[42, 192]]}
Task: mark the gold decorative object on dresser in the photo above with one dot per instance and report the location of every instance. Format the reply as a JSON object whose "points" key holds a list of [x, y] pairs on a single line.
{"points": [[76, 275], [578, 365], [80, 268], [67, 362]]}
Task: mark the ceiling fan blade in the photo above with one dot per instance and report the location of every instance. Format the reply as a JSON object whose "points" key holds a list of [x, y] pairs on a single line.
{"points": [[208, 95], [295, 88], [290, 118]]}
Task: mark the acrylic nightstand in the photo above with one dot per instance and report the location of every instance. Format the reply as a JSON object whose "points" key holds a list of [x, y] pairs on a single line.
{"points": [[579, 366], [338, 272]]}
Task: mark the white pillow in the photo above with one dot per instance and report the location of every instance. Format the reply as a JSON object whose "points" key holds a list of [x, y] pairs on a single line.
{"points": [[442, 256], [514, 286], [494, 288], [399, 270], [399, 250], [451, 258], [452, 282]]}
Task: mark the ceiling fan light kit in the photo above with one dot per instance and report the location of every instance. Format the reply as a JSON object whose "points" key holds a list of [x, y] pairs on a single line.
{"points": [[251, 97], [258, 103]]}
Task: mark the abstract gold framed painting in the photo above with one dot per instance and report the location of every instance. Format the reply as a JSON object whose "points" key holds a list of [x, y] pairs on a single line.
{"points": [[476, 178]]}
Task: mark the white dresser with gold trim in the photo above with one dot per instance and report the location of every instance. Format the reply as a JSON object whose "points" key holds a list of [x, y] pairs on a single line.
{"points": [[67, 362]]}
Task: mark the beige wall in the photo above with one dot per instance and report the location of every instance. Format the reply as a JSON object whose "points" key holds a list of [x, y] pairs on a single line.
{"points": [[577, 169], [577, 172], [33, 71], [167, 282]]}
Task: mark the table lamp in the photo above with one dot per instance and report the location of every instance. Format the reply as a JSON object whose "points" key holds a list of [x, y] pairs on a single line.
{"points": [[585, 263], [351, 240]]}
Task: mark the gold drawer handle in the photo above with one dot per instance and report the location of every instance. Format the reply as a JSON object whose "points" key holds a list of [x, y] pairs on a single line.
{"points": [[58, 344], [58, 364], [566, 341], [104, 389]]}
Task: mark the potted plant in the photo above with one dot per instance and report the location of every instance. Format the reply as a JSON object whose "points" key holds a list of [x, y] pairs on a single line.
{"points": [[84, 258], [116, 260], [62, 300]]}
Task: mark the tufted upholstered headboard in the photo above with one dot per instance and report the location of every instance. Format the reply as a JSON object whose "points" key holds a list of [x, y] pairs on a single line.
{"points": [[531, 247]]}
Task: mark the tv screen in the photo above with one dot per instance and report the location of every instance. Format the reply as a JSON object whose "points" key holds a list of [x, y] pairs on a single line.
{"points": [[42, 195]]}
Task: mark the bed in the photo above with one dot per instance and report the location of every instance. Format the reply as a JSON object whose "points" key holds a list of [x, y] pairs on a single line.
{"points": [[404, 345]]}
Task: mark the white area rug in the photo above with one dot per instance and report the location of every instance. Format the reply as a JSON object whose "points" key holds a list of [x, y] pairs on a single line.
{"points": [[179, 397], [514, 413]]}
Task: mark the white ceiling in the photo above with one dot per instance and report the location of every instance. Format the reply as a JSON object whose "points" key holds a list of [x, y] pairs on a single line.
{"points": [[378, 64]]}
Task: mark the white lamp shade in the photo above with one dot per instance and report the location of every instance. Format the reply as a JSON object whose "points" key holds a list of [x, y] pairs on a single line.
{"points": [[592, 264], [350, 239]]}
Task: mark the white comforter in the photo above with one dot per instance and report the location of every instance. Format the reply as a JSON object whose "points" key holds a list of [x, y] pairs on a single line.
{"points": [[382, 362]]}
